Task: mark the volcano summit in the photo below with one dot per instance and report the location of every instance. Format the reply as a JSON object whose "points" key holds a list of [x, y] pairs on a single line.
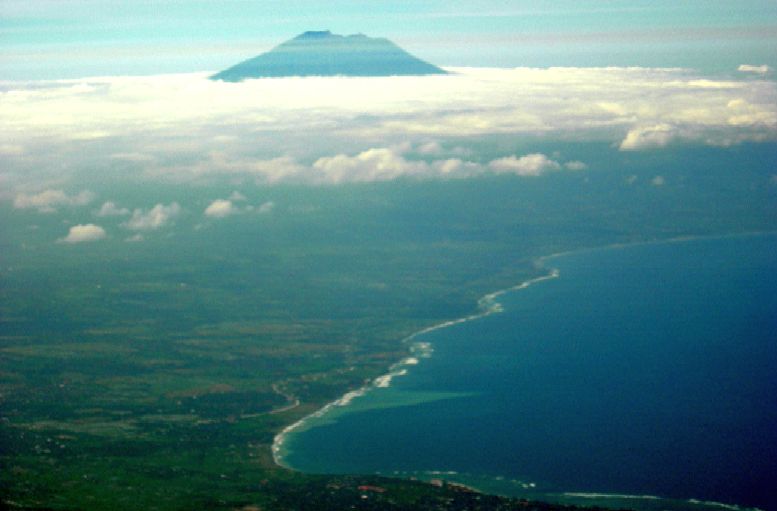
{"points": [[327, 54]]}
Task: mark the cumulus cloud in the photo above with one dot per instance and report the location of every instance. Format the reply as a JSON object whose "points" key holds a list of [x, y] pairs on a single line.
{"points": [[455, 168], [386, 163], [157, 217], [220, 208], [529, 165], [377, 164], [658, 181], [759, 70], [648, 137], [109, 208], [743, 113], [84, 232], [48, 200], [575, 165], [219, 164], [266, 207], [135, 157], [430, 148]]}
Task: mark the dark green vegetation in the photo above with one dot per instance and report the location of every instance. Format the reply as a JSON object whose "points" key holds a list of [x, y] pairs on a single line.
{"points": [[327, 54], [154, 375]]}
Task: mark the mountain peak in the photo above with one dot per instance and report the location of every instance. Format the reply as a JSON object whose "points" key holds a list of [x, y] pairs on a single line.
{"points": [[314, 34], [322, 53]]}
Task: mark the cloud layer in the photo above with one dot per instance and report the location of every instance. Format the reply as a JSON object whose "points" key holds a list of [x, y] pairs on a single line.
{"points": [[338, 129]]}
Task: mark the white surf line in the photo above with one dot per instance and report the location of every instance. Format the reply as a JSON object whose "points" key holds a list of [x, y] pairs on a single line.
{"points": [[609, 496], [712, 503], [667, 241], [708, 503], [487, 305]]}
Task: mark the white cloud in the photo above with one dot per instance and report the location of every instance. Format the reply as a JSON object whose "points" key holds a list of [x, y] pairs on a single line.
{"points": [[109, 208], [430, 148], [220, 208], [157, 217], [377, 164], [759, 70], [658, 181], [84, 232], [237, 197], [388, 163], [48, 200], [575, 165], [266, 207], [529, 165], [744, 114], [218, 164], [11, 150], [135, 157], [648, 137], [455, 168]]}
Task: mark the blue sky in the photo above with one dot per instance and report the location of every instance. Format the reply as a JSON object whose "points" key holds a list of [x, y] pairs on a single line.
{"points": [[74, 38]]}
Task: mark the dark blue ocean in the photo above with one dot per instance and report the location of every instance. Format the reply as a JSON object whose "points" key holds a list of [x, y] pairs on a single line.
{"points": [[642, 370]]}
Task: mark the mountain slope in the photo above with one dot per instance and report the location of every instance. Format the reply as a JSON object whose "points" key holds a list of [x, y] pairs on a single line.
{"points": [[327, 54]]}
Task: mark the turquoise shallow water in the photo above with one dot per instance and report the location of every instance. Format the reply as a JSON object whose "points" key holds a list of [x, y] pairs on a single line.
{"points": [[647, 370]]}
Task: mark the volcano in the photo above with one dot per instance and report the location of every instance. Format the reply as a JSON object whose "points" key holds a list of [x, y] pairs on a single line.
{"points": [[323, 53]]}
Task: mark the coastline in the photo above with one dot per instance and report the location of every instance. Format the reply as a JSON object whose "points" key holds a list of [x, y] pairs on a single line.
{"points": [[522, 490], [487, 305], [672, 240]]}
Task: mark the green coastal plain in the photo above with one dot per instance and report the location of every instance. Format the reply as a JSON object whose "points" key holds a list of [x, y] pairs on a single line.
{"points": [[154, 375]]}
